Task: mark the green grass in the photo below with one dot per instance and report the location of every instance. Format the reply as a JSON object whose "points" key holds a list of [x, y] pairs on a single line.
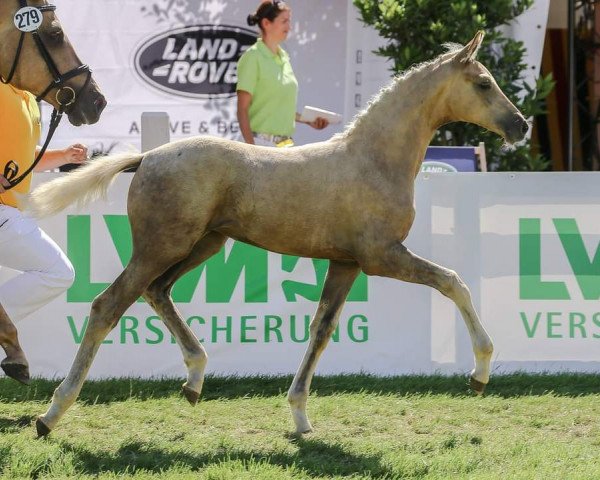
{"points": [[430, 427]]}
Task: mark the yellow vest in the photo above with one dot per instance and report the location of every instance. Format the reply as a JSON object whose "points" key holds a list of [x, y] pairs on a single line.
{"points": [[20, 130]]}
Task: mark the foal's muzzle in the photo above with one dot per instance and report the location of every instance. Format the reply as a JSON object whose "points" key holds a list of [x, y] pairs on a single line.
{"points": [[89, 107], [515, 128]]}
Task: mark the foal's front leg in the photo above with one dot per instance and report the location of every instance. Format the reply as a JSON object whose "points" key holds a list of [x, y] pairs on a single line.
{"points": [[401, 263], [338, 283], [15, 364]]}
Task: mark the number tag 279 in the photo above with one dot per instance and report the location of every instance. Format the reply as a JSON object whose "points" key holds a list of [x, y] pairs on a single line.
{"points": [[28, 19]]}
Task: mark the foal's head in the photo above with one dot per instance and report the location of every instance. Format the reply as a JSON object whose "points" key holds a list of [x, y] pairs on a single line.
{"points": [[79, 93], [475, 97]]}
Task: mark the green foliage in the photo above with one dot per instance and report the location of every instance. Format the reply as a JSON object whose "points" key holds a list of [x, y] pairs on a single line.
{"points": [[416, 30]]}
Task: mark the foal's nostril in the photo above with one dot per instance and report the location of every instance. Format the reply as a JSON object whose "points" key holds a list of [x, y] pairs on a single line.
{"points": [[524, 127], [520, 124], [100, 103]]}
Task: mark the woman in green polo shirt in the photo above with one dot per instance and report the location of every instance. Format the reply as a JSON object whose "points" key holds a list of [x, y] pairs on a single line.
{"points": [[267, 88]]}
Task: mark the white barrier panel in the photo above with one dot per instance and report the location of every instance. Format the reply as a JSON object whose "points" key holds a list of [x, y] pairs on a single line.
{"points": [[527, 245]]}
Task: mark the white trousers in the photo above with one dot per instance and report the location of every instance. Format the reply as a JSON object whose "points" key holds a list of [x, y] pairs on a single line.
{"points": [[46, 272]]}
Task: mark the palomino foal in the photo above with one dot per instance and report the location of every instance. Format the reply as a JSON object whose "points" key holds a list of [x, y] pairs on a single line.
{"points": [[349, 200]]}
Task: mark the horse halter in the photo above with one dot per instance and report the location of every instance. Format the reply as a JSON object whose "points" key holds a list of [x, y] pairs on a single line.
{"points": [[59, 83]]}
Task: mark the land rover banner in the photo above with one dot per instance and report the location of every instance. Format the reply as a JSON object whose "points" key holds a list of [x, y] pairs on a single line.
{"points": [[527, 245]]}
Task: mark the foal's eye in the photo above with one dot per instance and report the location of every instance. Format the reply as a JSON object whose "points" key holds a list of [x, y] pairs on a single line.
{"points": [[485, 85]]}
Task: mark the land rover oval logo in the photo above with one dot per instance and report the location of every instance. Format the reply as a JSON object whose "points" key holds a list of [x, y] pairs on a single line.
{"points": [[436, 166], [198, 61]]}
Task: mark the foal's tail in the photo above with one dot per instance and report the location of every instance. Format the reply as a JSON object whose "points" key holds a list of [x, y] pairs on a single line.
{"points": [[83, 185]]}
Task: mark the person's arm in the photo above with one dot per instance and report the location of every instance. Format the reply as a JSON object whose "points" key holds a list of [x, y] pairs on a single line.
{"points": [[244, 99], [52, 159], [318, 123], [247, 71]]}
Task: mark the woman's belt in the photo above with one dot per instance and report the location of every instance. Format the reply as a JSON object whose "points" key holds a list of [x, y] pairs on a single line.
{"points": [[278, 140]]}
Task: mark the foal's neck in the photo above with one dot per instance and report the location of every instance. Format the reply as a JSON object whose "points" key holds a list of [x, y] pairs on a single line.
{"points": [[398, 126]]}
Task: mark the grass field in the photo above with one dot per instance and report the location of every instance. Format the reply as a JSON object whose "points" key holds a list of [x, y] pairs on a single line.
{"points": [[525, 427]]}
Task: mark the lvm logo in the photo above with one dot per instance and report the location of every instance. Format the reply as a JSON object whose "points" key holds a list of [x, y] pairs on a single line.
{"points": [[222, 274], [572, 317]]}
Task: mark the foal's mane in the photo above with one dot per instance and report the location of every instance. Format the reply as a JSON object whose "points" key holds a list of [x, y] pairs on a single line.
{"points": [[398, 83]]}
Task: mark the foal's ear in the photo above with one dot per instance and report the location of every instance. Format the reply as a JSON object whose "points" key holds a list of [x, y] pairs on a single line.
{"points": [[469, 51]]}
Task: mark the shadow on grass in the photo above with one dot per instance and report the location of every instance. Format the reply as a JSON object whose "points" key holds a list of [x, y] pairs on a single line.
{"points": [[504, 386], [10, 425], [314, 457]]}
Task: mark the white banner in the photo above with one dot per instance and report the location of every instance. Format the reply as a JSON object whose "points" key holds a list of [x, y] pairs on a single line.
{"points": [[527, 245]]}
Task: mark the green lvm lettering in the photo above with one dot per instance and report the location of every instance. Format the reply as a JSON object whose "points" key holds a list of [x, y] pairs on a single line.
{"points": [[222, 274], [586, 270], [223, 271], [244, 329], [565, 325]]}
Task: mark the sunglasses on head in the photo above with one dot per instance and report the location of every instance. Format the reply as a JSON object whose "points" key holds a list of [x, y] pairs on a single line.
{"points": [[279, 4]]}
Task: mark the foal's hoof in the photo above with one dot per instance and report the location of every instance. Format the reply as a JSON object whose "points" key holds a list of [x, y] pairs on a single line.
{"points": [[16, 371], [304, 430], [190, 395], [42, 428], [477, 386]]}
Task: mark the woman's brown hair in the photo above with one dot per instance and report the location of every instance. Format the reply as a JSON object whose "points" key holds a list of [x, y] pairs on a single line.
{"points": [[269, 9]]}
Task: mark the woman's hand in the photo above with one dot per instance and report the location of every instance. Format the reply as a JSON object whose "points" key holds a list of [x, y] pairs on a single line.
{"points": [[3, 183], [319, 123], [76, 153]]}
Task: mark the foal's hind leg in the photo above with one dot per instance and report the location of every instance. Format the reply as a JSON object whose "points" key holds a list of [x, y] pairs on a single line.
{"points": [[15, 364], [158, 296], [106, 311], [338, 283], [402, 264]]}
